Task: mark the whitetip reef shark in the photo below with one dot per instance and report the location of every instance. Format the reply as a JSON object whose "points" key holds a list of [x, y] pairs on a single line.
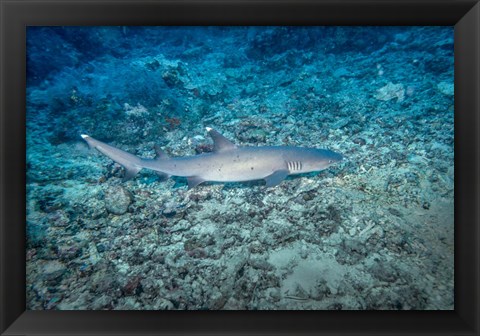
{"points": [[227, 162]]}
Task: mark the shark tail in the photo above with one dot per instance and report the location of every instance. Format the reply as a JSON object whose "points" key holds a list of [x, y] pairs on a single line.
{"points": [[132, 163]]}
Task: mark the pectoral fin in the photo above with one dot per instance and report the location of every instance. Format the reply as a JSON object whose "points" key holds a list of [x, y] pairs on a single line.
{"points": [[276, 178], [193, 181], [130, 172]]}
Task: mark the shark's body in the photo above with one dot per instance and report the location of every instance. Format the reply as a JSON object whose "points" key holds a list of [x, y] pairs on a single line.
{"points": [[227, 162]]}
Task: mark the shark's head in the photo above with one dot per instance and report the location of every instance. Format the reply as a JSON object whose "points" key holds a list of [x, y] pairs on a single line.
{"points": [[319, 159]]}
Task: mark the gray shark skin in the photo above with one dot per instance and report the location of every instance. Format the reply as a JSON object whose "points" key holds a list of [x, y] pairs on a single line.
{"points": [[227, 162]]}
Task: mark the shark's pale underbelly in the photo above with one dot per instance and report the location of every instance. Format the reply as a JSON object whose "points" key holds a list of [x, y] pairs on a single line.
{"points": [[237, 175]]}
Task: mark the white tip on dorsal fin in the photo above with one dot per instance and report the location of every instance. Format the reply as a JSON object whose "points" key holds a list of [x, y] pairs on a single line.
{"points": [[84, 136], [220, 143]]}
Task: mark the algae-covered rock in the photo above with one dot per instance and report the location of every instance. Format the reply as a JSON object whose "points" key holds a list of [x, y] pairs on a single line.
{"points": [[68, 251], [117, 200], [52, 270], [446, 88], [253, 135], [391, 91]]}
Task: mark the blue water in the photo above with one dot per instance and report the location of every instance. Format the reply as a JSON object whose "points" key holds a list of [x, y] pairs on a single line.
{"points": [[374, 231]]}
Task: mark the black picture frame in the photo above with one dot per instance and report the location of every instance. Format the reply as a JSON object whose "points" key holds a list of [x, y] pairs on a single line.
{"points": [[17, 14]]}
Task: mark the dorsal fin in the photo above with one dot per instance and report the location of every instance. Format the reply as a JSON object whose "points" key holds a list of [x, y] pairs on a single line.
{"points": [[160, 154], [220, 143]]}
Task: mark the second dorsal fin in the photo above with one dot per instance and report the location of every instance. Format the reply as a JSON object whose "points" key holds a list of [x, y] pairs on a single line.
{"points": [[220, 143], [159, 153]]}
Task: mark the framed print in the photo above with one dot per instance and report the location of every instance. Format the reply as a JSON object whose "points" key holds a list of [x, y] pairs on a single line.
{"points": [[239, 167], [373, 231]]}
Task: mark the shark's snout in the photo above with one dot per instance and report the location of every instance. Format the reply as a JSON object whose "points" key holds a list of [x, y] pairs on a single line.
{"points": [[338, 157], [334, 157]]}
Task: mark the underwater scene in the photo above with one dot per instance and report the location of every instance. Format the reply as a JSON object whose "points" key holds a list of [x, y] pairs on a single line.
{"points": [[240, 168]]}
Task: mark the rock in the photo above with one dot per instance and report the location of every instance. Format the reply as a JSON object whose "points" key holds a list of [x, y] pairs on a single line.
{"points": [[68, 252], [36, 234], [217, 300], [384, 272], [260, 263], [58, 218], [391, 91], [446, 88], [170, 210], [274, 294], [164, 304], [253, 135], [198, 242], [395, 212], [132, 286], [103, 282], [359, 141], [351, 252], [341, 72], [94, 255], [171, 77], [101, 302], [52, 270], [256, 247], [203, 148], [101, 247], [234, 304], [304, 251], [117, 200]]}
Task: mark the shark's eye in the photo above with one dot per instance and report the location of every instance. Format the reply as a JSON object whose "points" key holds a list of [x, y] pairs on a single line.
{"points": [[330, 161]]}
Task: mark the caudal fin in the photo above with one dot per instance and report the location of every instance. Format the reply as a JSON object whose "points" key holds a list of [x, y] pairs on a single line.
{"points": [[88, 139], [131, 163]]}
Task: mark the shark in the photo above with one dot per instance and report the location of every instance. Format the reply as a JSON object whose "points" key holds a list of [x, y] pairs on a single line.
{"points": [[226, 163]]}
